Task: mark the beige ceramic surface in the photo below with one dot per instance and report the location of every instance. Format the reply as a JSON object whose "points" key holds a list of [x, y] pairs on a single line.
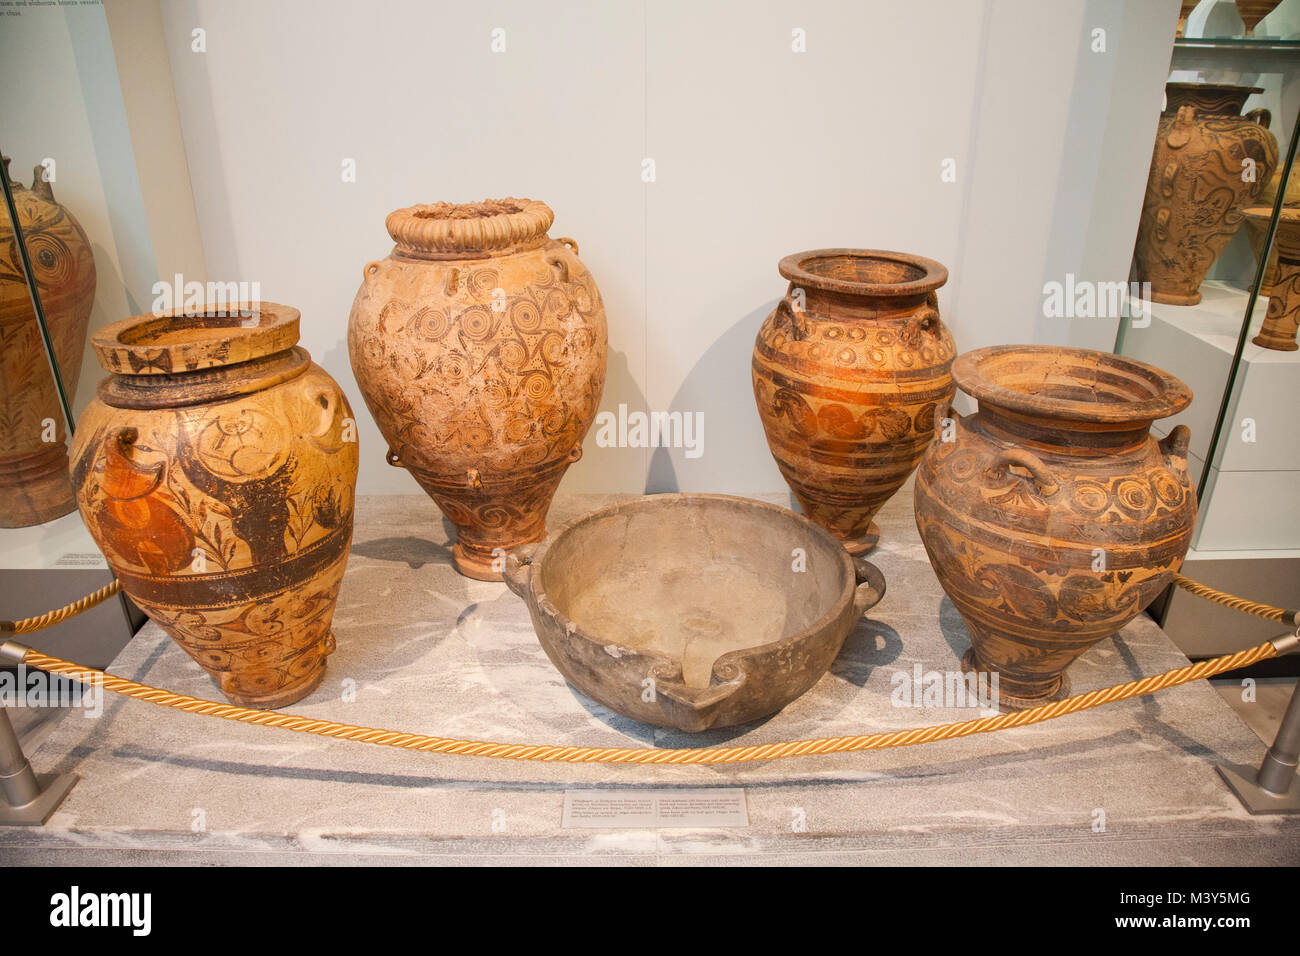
{"points": [[479, 345], [693, 611]]}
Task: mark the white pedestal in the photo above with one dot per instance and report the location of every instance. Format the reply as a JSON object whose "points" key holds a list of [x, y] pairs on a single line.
{"points": [[1249, 506]]}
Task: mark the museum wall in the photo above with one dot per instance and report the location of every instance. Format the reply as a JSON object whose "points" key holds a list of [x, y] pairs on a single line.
{"points": [[758, 151]]}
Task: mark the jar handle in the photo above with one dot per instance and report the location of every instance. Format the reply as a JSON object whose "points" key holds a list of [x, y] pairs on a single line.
{"points": [[1047, 482], [798, 327], [391, 457], [571, 243], [944, 412], [1180, 133], [1174, 446], [1261, 116]]}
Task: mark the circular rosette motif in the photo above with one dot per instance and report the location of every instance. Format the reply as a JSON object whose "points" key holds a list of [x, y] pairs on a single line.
{"points": [[242, 446]]}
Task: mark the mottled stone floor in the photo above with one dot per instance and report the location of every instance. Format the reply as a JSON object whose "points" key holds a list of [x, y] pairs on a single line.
{"points": [[422, 649]]}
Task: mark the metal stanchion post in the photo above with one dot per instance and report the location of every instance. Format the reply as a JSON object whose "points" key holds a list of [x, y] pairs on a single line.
{"points": [[26, 799], [1273, 788]]}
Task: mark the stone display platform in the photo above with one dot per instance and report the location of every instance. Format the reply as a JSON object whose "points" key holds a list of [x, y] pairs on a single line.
{"points": [[422, 649]]}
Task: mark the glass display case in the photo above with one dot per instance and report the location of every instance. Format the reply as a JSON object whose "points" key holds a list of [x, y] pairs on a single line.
{"points": [[1244, 443]]}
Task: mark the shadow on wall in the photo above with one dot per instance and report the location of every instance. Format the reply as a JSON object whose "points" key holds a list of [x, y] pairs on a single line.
{"points": [[609, 470], [720, 389], [107, 275]]}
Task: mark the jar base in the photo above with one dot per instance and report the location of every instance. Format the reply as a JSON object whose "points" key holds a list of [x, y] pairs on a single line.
{"points": [[1169, 298], [864, 543], [37, 500], [1010, 703], [1277, 344], [281, 698], [473, 565]]}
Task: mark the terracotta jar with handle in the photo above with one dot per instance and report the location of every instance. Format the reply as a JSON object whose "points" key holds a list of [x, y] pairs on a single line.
{"points": [[216, 470], [479, 345], [34, 484], [1209, 163], [847, 371], [1051, 516]]}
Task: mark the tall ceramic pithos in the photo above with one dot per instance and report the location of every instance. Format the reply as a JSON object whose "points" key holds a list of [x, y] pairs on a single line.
{"points": [[34, 483], [848, 371], [1209, 163], [479, 345], [216, 470], [1051, 516]]}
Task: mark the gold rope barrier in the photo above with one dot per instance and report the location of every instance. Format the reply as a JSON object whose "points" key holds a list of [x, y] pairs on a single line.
{"points": [[50, 618], [644, 755], [1266, 611]]}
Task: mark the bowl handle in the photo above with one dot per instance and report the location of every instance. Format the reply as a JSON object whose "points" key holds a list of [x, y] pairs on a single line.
{"points": [[871, 585], [519, 569], [694, 709]]}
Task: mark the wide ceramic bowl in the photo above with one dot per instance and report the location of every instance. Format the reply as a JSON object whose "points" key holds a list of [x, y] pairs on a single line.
{"points": [[692, 611]]}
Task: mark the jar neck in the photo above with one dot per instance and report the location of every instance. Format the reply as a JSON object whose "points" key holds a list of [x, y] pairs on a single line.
{"points": [[1059, 436], [407, 253], [201, 386], [841, 305]]}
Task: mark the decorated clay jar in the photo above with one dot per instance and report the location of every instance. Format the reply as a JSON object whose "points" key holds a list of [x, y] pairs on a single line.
{"points": [[1283, 317], [1258, 218], [34, 485], [848, 370], [1252, 11], [216, 470], [1051, 515], [479, 345], [1209, 163]]}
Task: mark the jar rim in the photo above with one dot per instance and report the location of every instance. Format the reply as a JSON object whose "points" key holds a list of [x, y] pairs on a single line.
{"points": [[983, 374], [447, 229], [189, 339], [877, 273]]}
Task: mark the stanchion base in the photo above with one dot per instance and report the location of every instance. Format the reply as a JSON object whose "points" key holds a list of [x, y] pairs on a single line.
{"points": [[54, 788], [1241, 781]]}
